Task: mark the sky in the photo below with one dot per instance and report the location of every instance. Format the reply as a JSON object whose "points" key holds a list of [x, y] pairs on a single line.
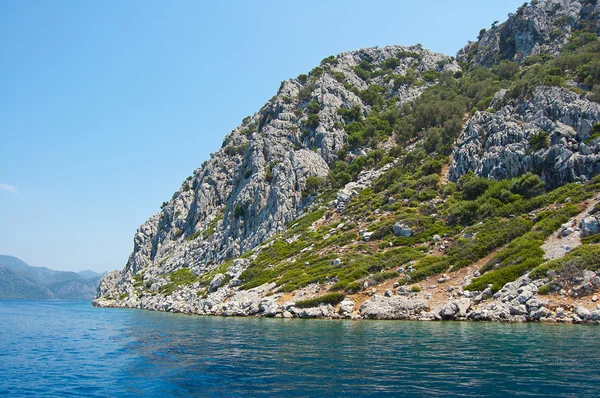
{"points": [[107, 106]]}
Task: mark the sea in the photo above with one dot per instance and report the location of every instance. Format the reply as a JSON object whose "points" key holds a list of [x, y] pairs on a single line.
{"points": [[70, 349]]}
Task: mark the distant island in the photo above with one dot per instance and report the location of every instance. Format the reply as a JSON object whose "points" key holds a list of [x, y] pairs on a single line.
{"points": [[20, 281]]}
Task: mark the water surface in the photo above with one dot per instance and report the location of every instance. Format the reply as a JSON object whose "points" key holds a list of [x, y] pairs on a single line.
{"points": [[57, 349]]}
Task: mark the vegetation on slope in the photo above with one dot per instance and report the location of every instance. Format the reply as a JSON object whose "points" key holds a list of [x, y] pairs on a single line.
{"points": [[474, 216]]}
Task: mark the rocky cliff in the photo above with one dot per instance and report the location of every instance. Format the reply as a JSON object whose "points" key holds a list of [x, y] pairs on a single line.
{"points": [[548, 135], [252, 187], [539, 28], [356, 179]]}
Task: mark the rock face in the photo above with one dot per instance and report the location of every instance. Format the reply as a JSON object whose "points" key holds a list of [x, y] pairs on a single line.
{"points": [[252, 187], [258, 183], [501, 144], [395, 307], [542, 28]]}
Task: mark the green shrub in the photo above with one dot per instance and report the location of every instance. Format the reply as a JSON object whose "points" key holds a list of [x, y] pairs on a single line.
{"points": [[431, 75], [329, 298], [539, 141], [353, 287], [313, 121], [582, 257], [269, 173], [331, 60], [313, 107], [544, 290], [302, 78], [238, 211], [472, 185], [182, 276], [314, 184], [415, 288]]}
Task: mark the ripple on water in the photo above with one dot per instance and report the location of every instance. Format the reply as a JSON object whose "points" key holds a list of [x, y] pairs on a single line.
{"points": [[70, 349]]}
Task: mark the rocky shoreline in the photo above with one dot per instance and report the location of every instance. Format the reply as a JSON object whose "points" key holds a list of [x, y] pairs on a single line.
{"points": [[516, 302]]}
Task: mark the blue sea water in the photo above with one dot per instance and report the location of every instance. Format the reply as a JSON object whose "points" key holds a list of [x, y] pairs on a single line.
{"points": [[68, 349]]}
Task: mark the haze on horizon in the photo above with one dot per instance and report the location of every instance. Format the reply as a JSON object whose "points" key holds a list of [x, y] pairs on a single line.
{"points": [[107, 107]]}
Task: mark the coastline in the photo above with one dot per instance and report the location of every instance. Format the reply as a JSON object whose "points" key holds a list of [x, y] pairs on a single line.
{"points": [[516, 302]]}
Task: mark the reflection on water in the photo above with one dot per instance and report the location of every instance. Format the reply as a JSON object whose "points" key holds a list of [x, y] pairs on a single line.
{"points": [[62, 348]]}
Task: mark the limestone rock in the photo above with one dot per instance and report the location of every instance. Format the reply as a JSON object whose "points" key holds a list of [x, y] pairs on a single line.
{"points": [[395, 307], [589, 226], [540, 28], [216, 282], [497, 145], [401, 229]]}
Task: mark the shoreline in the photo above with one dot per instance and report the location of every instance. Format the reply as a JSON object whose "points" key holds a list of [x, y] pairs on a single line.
{"points": [[516, 302], [551, 321]]}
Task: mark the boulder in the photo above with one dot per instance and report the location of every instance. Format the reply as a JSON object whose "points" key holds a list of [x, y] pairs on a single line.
{"points": [[346, 306], [395, 307], [401, 229], [589, 226], [216, 282]]}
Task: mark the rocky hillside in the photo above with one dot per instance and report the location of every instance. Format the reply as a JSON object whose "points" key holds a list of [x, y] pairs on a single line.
{"points": [[21, 281], [443, 184], [541, 28]]}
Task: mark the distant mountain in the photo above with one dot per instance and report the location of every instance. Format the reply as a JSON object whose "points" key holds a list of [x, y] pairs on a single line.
{"points": [[14, 285], [88, 274], [19, 280]]}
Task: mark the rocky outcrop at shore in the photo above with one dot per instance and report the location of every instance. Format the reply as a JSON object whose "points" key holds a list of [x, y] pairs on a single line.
{"points": [[516, 302]]}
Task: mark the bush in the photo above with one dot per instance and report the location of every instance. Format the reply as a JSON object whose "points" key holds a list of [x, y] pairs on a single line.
{"points": [[431, 75], [314, 184], [302, 78], [353, 287], [539, 141], [313, 107], [372, 95], [529, 185], [329, 298], [544, 290], [472, 185], [415, 288], [313, 121], [238, 211], [183, 276], [269, 173]]}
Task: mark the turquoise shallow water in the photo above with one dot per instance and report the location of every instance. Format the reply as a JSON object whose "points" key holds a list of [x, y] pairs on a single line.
{"points": [[58, 349]]}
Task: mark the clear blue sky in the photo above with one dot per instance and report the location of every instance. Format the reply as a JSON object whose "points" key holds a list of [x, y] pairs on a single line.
{"points": [[106, 106]]}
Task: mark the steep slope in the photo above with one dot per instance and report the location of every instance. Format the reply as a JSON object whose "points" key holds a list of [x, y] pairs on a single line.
{"points": [[253, 186], [541, 28], [391, 167], [549, 135]]}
